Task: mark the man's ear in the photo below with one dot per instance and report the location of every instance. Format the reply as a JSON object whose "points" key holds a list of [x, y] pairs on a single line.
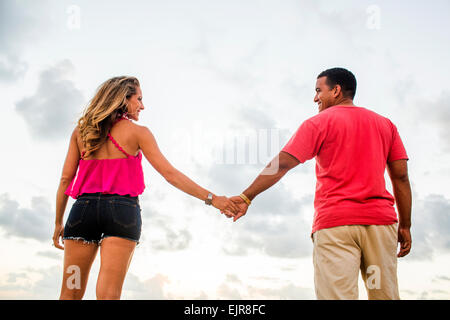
{"points": [[337, 90]]}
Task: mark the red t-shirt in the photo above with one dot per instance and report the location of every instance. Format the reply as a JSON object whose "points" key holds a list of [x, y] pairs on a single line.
{"points": [[352, 146]]}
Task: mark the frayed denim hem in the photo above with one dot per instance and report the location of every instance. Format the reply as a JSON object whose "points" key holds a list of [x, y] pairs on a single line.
{"points": [[98, 242], [82, 239]]}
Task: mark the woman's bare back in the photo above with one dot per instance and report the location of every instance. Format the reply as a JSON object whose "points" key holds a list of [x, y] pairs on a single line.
{"points": [[123, 133]]}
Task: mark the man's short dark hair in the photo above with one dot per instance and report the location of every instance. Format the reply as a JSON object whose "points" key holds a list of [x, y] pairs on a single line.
{"points": [[342, 77]]}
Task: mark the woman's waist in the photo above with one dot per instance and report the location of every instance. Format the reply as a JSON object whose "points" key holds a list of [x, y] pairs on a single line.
{"points": [[108, 196], [105, 195]]}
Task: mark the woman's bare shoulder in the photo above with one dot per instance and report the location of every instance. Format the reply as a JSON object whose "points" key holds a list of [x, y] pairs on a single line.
{"points": [[140, 129], [76, 137], [76, 133], [144, 137]]}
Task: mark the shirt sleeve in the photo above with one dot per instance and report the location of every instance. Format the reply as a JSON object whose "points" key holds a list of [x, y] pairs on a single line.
{"points": [[305, 143], [397, 151]]}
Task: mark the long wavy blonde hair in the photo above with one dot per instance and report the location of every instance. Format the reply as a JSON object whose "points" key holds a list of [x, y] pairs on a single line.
{"points": [[108, 104]]}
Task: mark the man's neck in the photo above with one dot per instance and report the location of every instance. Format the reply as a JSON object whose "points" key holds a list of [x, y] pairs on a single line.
{"points": [[344, 102]]}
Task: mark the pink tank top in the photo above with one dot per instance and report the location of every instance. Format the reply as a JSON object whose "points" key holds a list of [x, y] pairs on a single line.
{"points": [[122, 176]]}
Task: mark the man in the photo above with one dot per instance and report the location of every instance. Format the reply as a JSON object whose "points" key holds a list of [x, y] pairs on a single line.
{"points": [[355, 224]]}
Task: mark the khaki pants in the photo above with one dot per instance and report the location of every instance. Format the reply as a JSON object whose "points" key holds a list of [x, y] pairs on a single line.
{"points": [[340, 252]]}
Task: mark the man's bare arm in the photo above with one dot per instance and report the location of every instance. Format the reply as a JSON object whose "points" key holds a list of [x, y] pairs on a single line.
{"points": [[398, 172], [271, 174]]}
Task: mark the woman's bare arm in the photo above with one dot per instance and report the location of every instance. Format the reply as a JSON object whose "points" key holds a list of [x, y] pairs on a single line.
{"points": [[69, 170]]}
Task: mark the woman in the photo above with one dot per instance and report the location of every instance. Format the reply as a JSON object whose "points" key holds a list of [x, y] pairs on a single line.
{"points": [[103, 172]]}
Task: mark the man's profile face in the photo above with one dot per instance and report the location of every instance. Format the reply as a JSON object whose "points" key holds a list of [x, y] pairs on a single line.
{"points": [[324, 95]]}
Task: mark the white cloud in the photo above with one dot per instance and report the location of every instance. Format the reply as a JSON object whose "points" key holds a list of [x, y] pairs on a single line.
{"points": [[150, 289], [32, 283], [11, 68], [19, 25], [233, 288], [32, 223], [438, 116], [173, 239], [51, 111], [430, 227], [276, 235]]}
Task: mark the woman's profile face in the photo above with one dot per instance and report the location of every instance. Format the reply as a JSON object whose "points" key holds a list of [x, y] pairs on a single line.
{"points": [[135, 105]]}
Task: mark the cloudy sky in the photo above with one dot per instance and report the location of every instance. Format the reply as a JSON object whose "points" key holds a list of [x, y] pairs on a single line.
{"points": [[225, 84]]}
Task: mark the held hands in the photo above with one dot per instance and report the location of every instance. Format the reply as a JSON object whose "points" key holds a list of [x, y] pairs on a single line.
{"points": [[241, 205], [234, 207], [225, 205]]}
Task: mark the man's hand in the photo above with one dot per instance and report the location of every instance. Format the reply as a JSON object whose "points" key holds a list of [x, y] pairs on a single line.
{"points": [[225, 205], [404, 238], [241, 204]]}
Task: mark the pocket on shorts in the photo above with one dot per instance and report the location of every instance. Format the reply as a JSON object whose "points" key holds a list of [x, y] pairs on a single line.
{"points": [[126, 213], [76, 214]]}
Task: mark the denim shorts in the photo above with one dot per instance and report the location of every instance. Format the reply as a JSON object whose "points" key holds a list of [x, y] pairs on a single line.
{"points": [[95, 216]]}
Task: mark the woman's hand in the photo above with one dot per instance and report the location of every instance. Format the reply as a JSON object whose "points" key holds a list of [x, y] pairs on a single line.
{"points": [[225, 206], [243, 206], [59, 233]]}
